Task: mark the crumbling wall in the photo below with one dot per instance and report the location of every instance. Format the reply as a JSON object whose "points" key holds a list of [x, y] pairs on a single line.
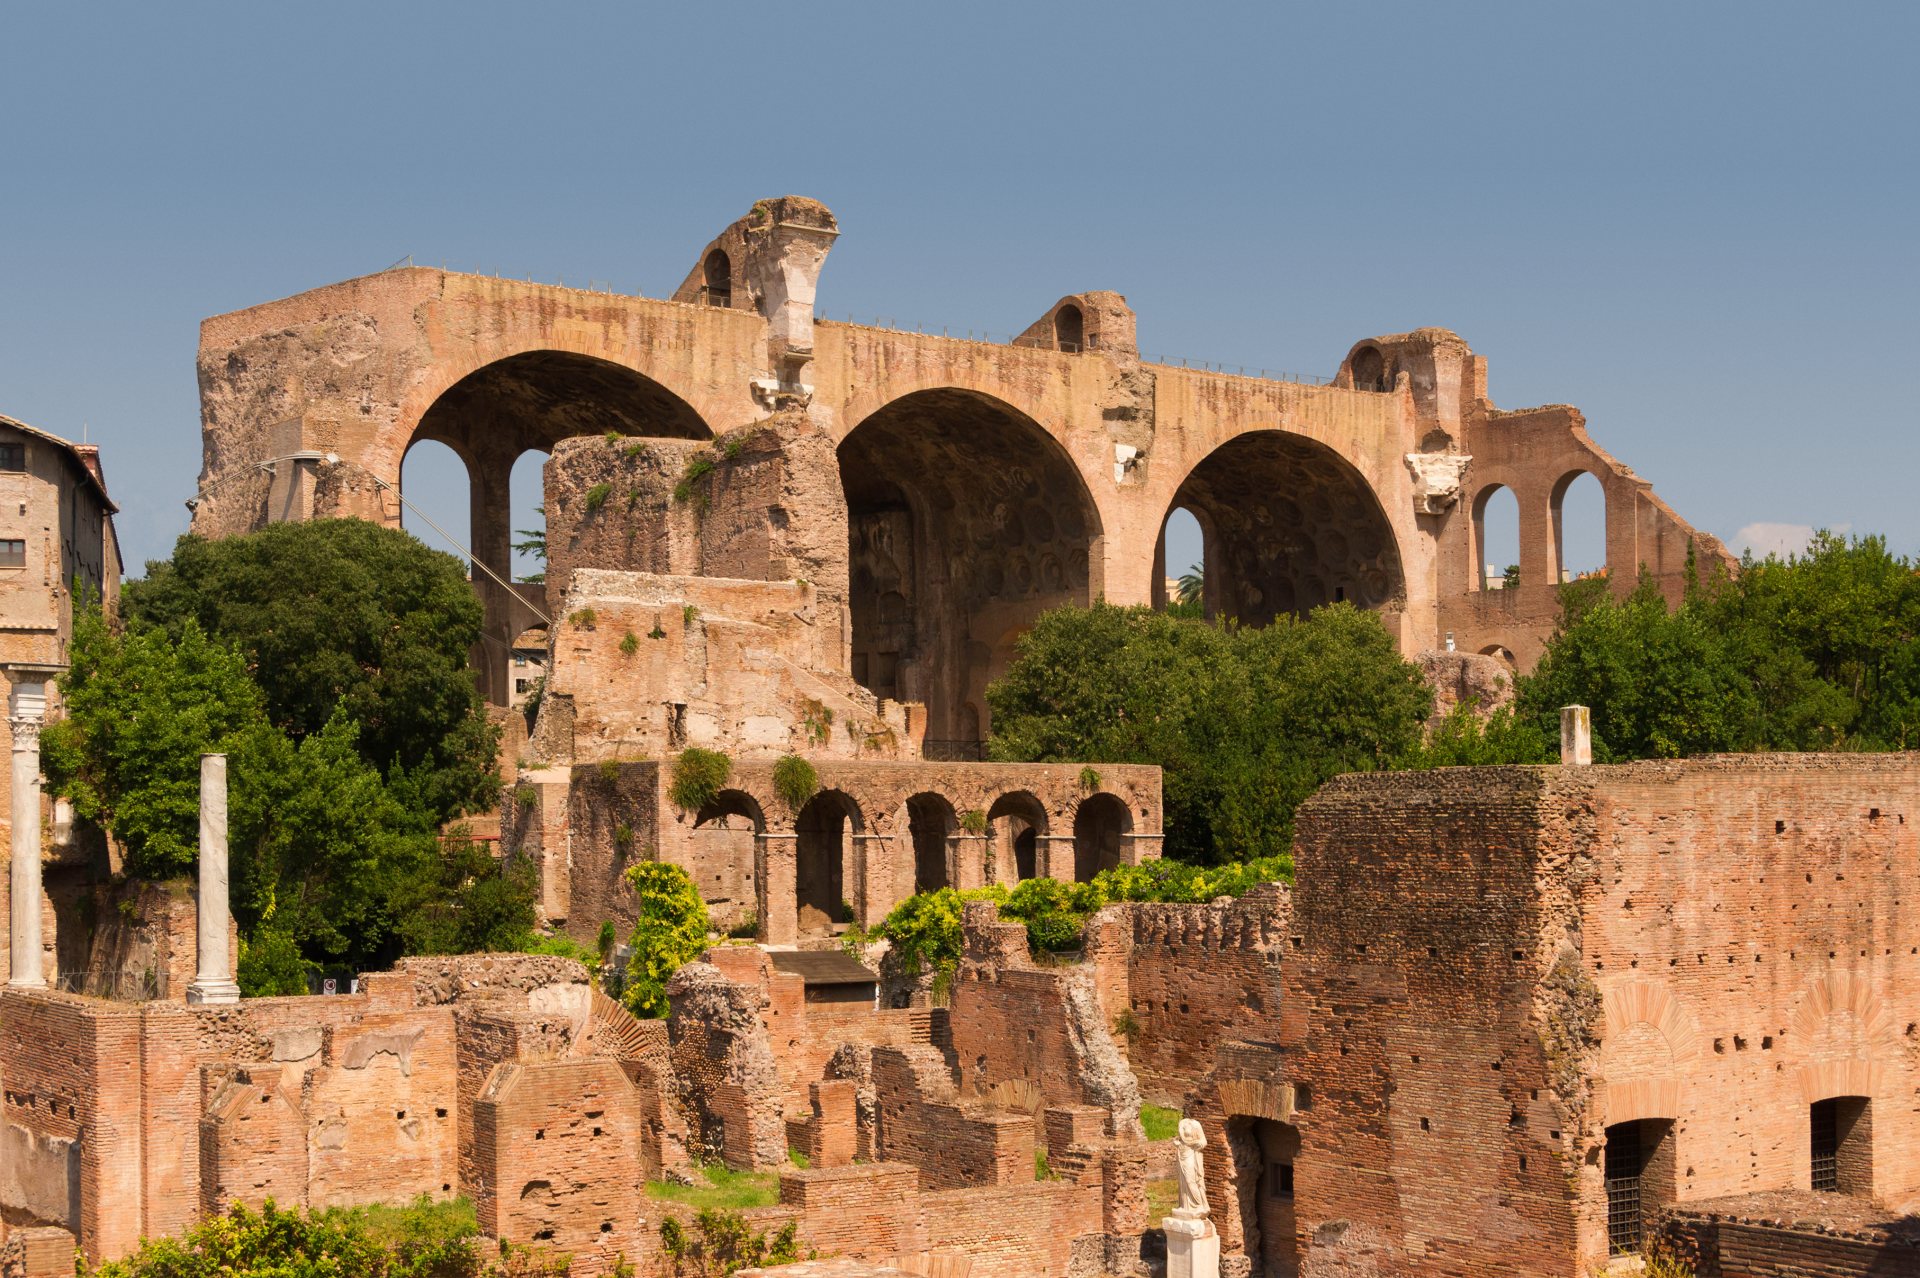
{"points": [[729, 1085], [920, 1119], [253, 1141], [1190, 978], [1033, 1033]]}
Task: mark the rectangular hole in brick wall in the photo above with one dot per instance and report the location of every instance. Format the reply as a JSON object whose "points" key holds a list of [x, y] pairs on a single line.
{"points": [[1779, 827]]}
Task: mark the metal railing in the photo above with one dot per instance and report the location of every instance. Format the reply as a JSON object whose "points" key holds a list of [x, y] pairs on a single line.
{"points": [[120, 987], [937, 750]]}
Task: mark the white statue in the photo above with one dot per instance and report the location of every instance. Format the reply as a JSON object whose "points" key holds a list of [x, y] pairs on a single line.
{"points": [[1191, 1170]]}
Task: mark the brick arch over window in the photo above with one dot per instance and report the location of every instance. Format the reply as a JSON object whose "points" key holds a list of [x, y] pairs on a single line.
{"points": [[1575, 526], [965, 521], [1838, 1024], [1291, 525], [1648, 1040]]}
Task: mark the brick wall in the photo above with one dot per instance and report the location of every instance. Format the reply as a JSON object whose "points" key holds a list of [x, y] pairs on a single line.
{"points": [[920, 1120]]}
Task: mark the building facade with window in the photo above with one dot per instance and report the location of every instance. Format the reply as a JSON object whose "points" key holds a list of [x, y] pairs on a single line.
{"points": [[57, 550], [1524, 1017]]}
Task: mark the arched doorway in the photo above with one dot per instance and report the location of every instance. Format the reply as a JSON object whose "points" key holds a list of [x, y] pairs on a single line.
{"points": [[931, 823], [1290, 525], [1264, 1153], [724, 856], [1015, 825], [1100, 827], [1578, 508], [1180, 564], [1069, 328], [824, 863], [528, 403], [965, 521]]}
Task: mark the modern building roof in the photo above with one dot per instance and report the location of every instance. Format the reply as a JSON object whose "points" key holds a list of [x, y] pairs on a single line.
{"points": [[823, 967], [85, 457]]}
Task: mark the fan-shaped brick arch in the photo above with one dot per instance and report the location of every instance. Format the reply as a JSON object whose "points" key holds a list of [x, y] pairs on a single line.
{"points": [[1648, 1041], [1838, 1021], [1257, 1098]]}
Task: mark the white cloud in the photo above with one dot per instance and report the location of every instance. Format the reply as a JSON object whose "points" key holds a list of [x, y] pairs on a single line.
{"points": [[1777, 539]]}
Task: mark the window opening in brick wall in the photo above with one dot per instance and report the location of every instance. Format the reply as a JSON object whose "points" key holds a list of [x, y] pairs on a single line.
{"points": [[1639, 1179], [13, 456], [931, 822], [1264, 1154], [1841, 1143], [13, 554], [1015, 824]]}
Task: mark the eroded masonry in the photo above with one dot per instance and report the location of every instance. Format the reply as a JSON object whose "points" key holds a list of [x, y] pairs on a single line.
{"points": [[1511, 1021]]}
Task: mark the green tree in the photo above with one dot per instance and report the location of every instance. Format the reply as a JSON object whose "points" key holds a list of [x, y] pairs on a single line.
{"points": [[464, 901], [671, 932], [140, 711], [1244, 722], [344, 614]]}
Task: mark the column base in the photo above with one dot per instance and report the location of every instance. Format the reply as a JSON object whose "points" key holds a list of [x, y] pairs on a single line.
{"points": [[1193, 1248], [26, 983], [207, 992]]}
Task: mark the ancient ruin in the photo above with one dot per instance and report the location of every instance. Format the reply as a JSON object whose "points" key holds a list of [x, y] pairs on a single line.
{"points": [[1510, 1021]]}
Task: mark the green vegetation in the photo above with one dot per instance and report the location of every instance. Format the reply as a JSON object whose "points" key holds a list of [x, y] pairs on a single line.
{"points": [[671, 931], [341, 617], [583, 618], [698, 777], [597, 496], [630, 644], [425, 1240], [1040, 1169], [1159, 1122], [689, 614], [973, 821], [718, 1187], [924, 930], [722, 1242], [1089, 778], [697, 468], [795, 781], [1245, 722]]}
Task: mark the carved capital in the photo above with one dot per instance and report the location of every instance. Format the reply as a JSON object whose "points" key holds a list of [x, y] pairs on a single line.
{"points": [[26, 733], [1436, 480]]}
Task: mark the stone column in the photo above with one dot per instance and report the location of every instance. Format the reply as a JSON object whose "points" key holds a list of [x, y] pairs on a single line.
{"points": [[28, 711], [1576, 736], [214, 982]]}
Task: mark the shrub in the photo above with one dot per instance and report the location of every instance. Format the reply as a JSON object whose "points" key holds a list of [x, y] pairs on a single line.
{"points": [[698, 776], [688, 614], [606, 941], [722, 1242], [609, 770], [973, 821], [630, 644], [583, 618], [795, 781], [671, 931], [1089, 778], [597, 496], [697, 469], [271, 964]]}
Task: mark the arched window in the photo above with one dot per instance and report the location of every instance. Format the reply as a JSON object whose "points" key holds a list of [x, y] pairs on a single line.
{"points": [[1016, 822], [723, 862], [717, 270], [824, 863], [931, 823], [1496, 538], [527, 489], [435, 478], [1181, 559], [1069, 329], [1100, 827], [1579, 526], [1370, 370]]}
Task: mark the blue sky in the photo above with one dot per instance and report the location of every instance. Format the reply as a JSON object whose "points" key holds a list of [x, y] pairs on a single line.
{"points": [[1695, 221]]}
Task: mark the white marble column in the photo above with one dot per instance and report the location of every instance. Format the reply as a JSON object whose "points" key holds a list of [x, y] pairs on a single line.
{"points": [[27, 713], [214, 981]]}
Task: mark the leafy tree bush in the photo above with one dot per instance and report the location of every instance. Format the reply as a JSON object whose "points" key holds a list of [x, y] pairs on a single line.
{"points": [[426, 1240], [463, 901], [140, 711], [271, 964], [1245, 722], [698, 776], [924, 931], [1815, 652], [344, 614], [671, 931], [722, 1242]]}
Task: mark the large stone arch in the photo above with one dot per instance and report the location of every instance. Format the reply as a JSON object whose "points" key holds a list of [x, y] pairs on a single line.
{"points": [[966, 519], [530, 400], [1292, 525]]}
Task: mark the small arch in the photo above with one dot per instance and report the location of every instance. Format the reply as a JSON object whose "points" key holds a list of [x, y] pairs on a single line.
{"points": [[436, 478], [824, 866], [727, 809], [1370, 370], [1496, 538], [1069, 328], [1501, 653], [1578, 506], [717, 276], [1263, 1154], [1100, 827], [1180, 564], [931, 823], [527, 501], [1016, 823]]}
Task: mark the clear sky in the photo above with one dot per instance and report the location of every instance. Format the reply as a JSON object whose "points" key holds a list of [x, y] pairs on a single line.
{"points": [[1695, 221]]}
